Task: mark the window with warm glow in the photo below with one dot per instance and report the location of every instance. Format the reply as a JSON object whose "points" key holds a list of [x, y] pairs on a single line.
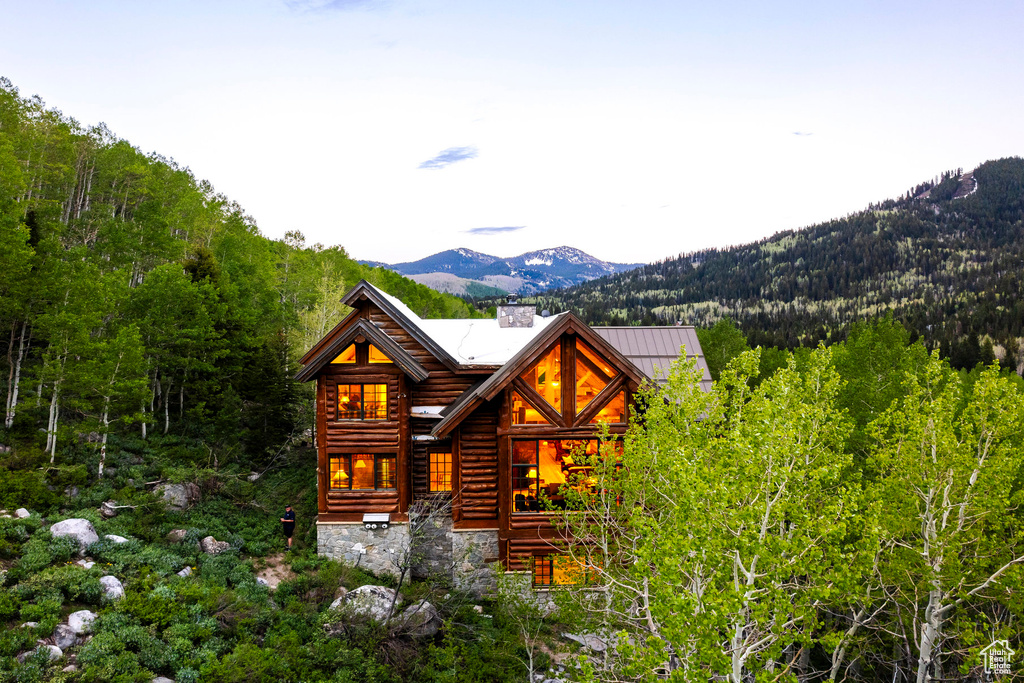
{"points": [[362, 402], [525, 414], [614, 412], [363, 472], [561, 570], [541, 467], [375, 355], [440, 471], [545, 377], [346, 356], [593, 374]]}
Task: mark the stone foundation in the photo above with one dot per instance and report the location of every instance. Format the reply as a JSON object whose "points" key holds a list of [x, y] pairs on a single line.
{"points": [[476, 558], [466, 558], [374, 550]]}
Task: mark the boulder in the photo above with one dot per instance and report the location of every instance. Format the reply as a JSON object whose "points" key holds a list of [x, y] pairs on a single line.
{"points": [[162, 679], [64, 636], [176, 536], [108, 509], [85, 563], [372, 601], [70, 668], [112, 587], [211, 546], [30, 624], [79, 529], [421, 620], [261, 581], [22, 513], [253, 476], [81, 621], [187, 571], [53, 652], [115, 538], [590, 641], [179, 496]]}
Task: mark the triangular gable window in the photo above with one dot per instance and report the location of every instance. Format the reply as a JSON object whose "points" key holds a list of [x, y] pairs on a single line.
{"points": [[347, 356], [593, 373], [525, 414], [376, 355], [545, 377]]}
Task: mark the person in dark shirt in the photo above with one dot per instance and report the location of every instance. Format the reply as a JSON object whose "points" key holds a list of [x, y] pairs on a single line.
{"points": [[289, 523]]}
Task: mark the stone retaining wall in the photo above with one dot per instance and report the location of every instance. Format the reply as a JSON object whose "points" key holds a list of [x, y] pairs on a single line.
{"points": [[467, 558]]}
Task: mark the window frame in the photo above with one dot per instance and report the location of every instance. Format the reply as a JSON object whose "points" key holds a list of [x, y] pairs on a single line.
{"points": [[346, 460], [362, 402], [544, 566], [513, 465], [445, 461]]}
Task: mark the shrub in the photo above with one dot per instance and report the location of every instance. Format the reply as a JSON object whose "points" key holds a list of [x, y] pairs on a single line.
{"points": [[25, 488], [74, 583], [41, 551], [246, 663]]}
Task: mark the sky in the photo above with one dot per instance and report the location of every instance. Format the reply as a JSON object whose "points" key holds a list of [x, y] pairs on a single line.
{"points": [[635, 131]]}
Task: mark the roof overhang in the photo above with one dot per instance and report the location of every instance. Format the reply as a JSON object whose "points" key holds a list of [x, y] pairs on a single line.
{"points": [[365, 291], [493, 385], [367, 331]]}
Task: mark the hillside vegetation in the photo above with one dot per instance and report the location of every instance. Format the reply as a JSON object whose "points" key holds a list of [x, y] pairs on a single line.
{"points": [[945, 260]]}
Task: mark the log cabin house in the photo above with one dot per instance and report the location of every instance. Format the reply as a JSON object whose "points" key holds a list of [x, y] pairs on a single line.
{"points": [[488, 412]]}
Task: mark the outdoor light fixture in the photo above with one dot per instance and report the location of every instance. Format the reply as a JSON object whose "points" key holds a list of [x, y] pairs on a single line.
{"points": [[375, 520]]}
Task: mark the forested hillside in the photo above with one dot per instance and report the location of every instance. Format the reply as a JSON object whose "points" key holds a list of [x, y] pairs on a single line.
{"points": [[945, 259], [135, 297]]}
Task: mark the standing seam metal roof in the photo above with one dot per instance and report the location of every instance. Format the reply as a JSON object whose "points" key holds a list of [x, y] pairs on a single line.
{"points": [[654, 349]]}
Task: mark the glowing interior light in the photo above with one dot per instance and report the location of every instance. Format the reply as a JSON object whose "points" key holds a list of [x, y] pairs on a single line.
{"points": [[532, 474], [360, 463]]}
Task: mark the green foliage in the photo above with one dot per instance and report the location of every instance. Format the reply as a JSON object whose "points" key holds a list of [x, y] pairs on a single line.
{"points": [[721, 344], [25, 489]]}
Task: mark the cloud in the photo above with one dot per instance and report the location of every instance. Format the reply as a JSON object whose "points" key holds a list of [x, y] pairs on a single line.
{"points": [[328, 5], [802, 134], [449, 157], [494, 231]]}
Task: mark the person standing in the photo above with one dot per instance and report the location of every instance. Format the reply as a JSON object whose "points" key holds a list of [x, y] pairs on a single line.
{"points": [[288, 521]]}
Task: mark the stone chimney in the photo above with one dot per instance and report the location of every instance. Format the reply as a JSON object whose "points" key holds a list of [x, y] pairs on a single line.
{"points": [[515, 314]]}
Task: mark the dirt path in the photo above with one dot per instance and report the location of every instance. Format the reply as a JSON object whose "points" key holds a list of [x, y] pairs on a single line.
{"points": [[274, 570]]}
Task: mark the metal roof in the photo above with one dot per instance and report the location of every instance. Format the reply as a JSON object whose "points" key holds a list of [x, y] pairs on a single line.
{"points": [[653, 349]]}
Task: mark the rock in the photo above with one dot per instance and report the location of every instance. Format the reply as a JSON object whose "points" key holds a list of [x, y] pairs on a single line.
{"points": [[81, 621], [254, 476], [64, 637], [71, 492], [22, 513], [211, 546], [261, 581], [479, 609], [372, 601], [162, 679], [108, 509], [115, 538], [112, 587], [53, 652], [588, 640], [421, 620], [30, 624], [179, 496], [187, 571], [70, 668], [79, 529], [176, 536], [86, 564]]}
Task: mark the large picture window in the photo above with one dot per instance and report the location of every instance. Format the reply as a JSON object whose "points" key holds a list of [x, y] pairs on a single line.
{"points": [[363, 472], [540, 467], [362, 401]]}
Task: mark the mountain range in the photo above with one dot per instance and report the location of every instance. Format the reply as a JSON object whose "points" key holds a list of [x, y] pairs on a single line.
{"points": [[468, 272], [946, 259]]}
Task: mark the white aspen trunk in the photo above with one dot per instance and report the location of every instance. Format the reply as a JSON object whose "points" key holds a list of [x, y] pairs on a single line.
{"points": [[167, 407], [51, 430], [931, 630], [103, 443], [12, 396], [181, 400], [143, 420]]}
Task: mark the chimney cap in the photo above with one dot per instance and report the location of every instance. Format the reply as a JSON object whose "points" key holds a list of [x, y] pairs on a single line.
{"points": [[512, 298]]}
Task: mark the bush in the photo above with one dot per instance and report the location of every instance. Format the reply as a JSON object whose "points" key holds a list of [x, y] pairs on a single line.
{"points": [[25, 488], [41, 551], [74, 583], [248, 663]]}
